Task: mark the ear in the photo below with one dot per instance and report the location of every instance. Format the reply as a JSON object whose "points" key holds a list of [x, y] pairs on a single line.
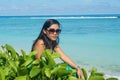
{"points": [[44, 31]]}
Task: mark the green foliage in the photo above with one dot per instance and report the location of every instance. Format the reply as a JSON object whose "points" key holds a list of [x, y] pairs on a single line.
{"points": [[94, 75], [112, 79], [16, 66], [84, 73]]}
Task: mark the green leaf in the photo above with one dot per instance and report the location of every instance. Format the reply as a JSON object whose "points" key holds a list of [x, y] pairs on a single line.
{"points": [[35, 71], [111, 78], [36, 61], [49, 60], [54, 70], [33, 53], [94, 70], [62, 65], [60, 70], [96, 78], [24, 54], [13, 65], [12, 51], [7, 70], [63, 72], [98, 74], [48, 72], [23, 71], [84, 73], [21, 78], [2, 74], [7, 56], [56, 55], [27, 62], [73, 78]]}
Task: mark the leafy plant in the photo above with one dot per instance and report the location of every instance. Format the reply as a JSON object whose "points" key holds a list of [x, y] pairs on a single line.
{"points": [[23, 66]]}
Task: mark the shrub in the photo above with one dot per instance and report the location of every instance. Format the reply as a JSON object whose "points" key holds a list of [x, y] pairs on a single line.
{"points": [[16, 66]]}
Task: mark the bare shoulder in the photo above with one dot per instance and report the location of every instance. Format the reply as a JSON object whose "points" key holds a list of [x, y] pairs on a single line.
{"points": [[39, 45], [40, 42], [57, 47]]}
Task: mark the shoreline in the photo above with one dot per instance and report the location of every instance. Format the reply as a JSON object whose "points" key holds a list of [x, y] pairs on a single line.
{"points": [[88, 69], [108, 76]]}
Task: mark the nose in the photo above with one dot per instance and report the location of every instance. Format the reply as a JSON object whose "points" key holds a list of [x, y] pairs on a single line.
{"points": [[55, 32]]}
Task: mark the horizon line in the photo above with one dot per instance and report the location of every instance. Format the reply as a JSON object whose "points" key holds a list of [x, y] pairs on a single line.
{"points": [[63, 15]]}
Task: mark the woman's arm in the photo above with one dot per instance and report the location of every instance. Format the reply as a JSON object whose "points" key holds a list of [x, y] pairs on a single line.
{"points": [[39, 46], [66, 59]]}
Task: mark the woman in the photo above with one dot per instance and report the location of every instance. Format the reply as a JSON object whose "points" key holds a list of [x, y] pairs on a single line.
{"points": [[49, 39]]}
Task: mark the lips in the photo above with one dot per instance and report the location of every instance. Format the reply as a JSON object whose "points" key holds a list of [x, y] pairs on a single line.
{"points": [[54, 36]]}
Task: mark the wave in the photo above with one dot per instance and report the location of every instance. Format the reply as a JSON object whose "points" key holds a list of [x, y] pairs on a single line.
{"points": [[59, 17], [81, 17], [108, 76]]}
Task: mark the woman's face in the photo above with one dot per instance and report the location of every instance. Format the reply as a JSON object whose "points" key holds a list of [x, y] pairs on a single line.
{"points": [[53, 32]]}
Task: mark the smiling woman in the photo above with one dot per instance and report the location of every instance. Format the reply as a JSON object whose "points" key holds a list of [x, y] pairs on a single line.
{"points": [[49, 39], [52, 32]]}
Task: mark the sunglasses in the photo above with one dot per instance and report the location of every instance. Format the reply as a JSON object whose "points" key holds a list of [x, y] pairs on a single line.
{"points": [[52, 31]]}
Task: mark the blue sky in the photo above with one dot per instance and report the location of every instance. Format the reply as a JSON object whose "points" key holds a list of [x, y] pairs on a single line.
{"points": [[59, 7]]}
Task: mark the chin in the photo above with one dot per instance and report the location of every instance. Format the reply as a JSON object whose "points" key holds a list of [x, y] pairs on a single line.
{"points": [[53, 39]]}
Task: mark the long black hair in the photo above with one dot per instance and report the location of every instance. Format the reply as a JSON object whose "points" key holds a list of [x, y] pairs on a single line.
{"points": [[49, 44]]}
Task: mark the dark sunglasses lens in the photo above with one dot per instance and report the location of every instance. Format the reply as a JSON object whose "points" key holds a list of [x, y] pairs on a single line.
{"points": [[58, 31], [52, 30]]}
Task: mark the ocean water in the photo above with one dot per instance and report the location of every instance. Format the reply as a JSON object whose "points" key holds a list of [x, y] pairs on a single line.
{"points": [[90, 40]]}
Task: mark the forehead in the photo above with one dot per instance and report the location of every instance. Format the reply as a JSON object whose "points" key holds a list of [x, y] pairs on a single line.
{"points": [[55, 26]]}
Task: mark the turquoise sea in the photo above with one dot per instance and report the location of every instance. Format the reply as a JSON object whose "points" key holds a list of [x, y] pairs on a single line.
{"points": [[90, 40]]}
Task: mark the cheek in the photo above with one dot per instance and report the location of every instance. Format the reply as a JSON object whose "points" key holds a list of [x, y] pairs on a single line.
{"points": [[48, 35]]}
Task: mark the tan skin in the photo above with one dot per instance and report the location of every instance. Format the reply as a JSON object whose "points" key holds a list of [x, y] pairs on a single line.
{"points": [[40, 47]]}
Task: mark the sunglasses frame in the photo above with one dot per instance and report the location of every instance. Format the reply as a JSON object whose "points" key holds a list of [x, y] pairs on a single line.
{"points": [[52, 31]]}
